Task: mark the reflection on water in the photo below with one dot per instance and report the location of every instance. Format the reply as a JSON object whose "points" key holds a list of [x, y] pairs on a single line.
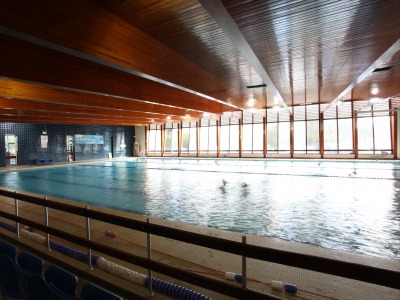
{"points": [[350, 206]]}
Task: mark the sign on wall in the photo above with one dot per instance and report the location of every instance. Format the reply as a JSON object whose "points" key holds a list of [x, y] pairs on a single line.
{"points": [[44, 139], [89, 139]]}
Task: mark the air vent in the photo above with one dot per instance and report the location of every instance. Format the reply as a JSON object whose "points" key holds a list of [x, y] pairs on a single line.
{"points": [[382, 69], [256, 86]]}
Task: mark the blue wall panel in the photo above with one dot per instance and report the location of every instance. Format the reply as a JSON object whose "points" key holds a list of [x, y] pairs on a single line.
{"points": [[29, 146]]}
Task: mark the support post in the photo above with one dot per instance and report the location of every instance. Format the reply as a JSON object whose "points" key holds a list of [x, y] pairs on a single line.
{"points": [[16, 205], [46, 221], [244, 263], [149, 272], [89, 251]]}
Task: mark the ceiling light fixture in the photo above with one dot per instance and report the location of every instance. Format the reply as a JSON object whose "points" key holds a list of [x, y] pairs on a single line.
{"points": [[374, 100], [374, 90], [339, 102], [251, 102], [382, 69], [256, 86]]}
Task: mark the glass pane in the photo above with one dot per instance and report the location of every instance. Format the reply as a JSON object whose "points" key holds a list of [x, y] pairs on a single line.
{"points": [[258, 137], [345, 134], [234, 138], [192, 140], [224, 138], [313, 135], [299, 113], [174, 144], [247, 135], [168, 141], [272, 136], [284, 136], [204, 139], [152, 140], [382, 133], [365, 140], [212, 139], [299, 135], [330, 135], [185, 140]]}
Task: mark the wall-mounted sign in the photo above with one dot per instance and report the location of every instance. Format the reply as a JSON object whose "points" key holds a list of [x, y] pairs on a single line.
{"points": [[44, 139], [89, 139]]}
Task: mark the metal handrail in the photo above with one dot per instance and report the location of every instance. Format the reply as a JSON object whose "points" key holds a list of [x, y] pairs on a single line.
{"points": [[370, 274], [199, 280]]}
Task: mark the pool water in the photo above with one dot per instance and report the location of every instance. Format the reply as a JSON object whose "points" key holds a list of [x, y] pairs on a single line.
{"points": [[344, 205]]}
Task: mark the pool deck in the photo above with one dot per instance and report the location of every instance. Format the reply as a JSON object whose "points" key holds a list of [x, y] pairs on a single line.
{"points": [[190, 257]]}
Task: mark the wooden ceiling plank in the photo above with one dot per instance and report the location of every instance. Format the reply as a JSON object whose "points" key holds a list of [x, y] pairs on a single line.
{"points": [[90, 30], [50, 95], [377, 63], [34, 64], [48, 120], [71, 110]]}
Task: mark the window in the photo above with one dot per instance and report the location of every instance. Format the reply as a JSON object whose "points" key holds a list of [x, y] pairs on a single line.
{"points": [[272, 137], [345, 134], [154, 145], [382, 133], [252, 133], [171, 138], [365, 138], [330, 136]]}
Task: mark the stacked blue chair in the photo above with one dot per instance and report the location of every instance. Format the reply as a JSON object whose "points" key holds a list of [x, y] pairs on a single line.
{"points": [[8, 249], [30, 262], [61, 282], [92, 292], [33, 285], [57, 294], [9, 286], [29, 271]]}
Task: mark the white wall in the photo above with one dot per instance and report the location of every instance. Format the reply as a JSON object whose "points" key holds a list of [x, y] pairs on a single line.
{"points": [[140, 136]]}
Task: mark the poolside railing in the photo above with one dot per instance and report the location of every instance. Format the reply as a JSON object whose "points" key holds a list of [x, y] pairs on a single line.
{"points": [[369, 274]]}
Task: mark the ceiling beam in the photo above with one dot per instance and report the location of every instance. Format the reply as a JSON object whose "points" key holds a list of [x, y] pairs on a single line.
{"points": [[224, 20], [392, 50]]}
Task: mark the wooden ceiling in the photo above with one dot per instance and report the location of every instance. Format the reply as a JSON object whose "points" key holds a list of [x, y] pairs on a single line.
{"points": [[138, 62]]}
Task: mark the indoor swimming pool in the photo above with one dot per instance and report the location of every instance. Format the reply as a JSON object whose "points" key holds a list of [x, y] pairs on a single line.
{"points": [[352, 206]]}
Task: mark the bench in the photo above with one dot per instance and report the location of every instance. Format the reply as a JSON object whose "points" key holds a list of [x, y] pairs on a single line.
{"points": [[44, 161]]}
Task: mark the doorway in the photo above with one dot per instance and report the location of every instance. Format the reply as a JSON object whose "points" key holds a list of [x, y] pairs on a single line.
{"points": [[70, 148], [11, 147]]}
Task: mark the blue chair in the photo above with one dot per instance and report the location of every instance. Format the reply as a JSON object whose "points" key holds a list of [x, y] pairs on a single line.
{"points": [[9, 286], [30, 262], [57, 294], [92, 292], [63, 280], [8, 249], [33, 285]]}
